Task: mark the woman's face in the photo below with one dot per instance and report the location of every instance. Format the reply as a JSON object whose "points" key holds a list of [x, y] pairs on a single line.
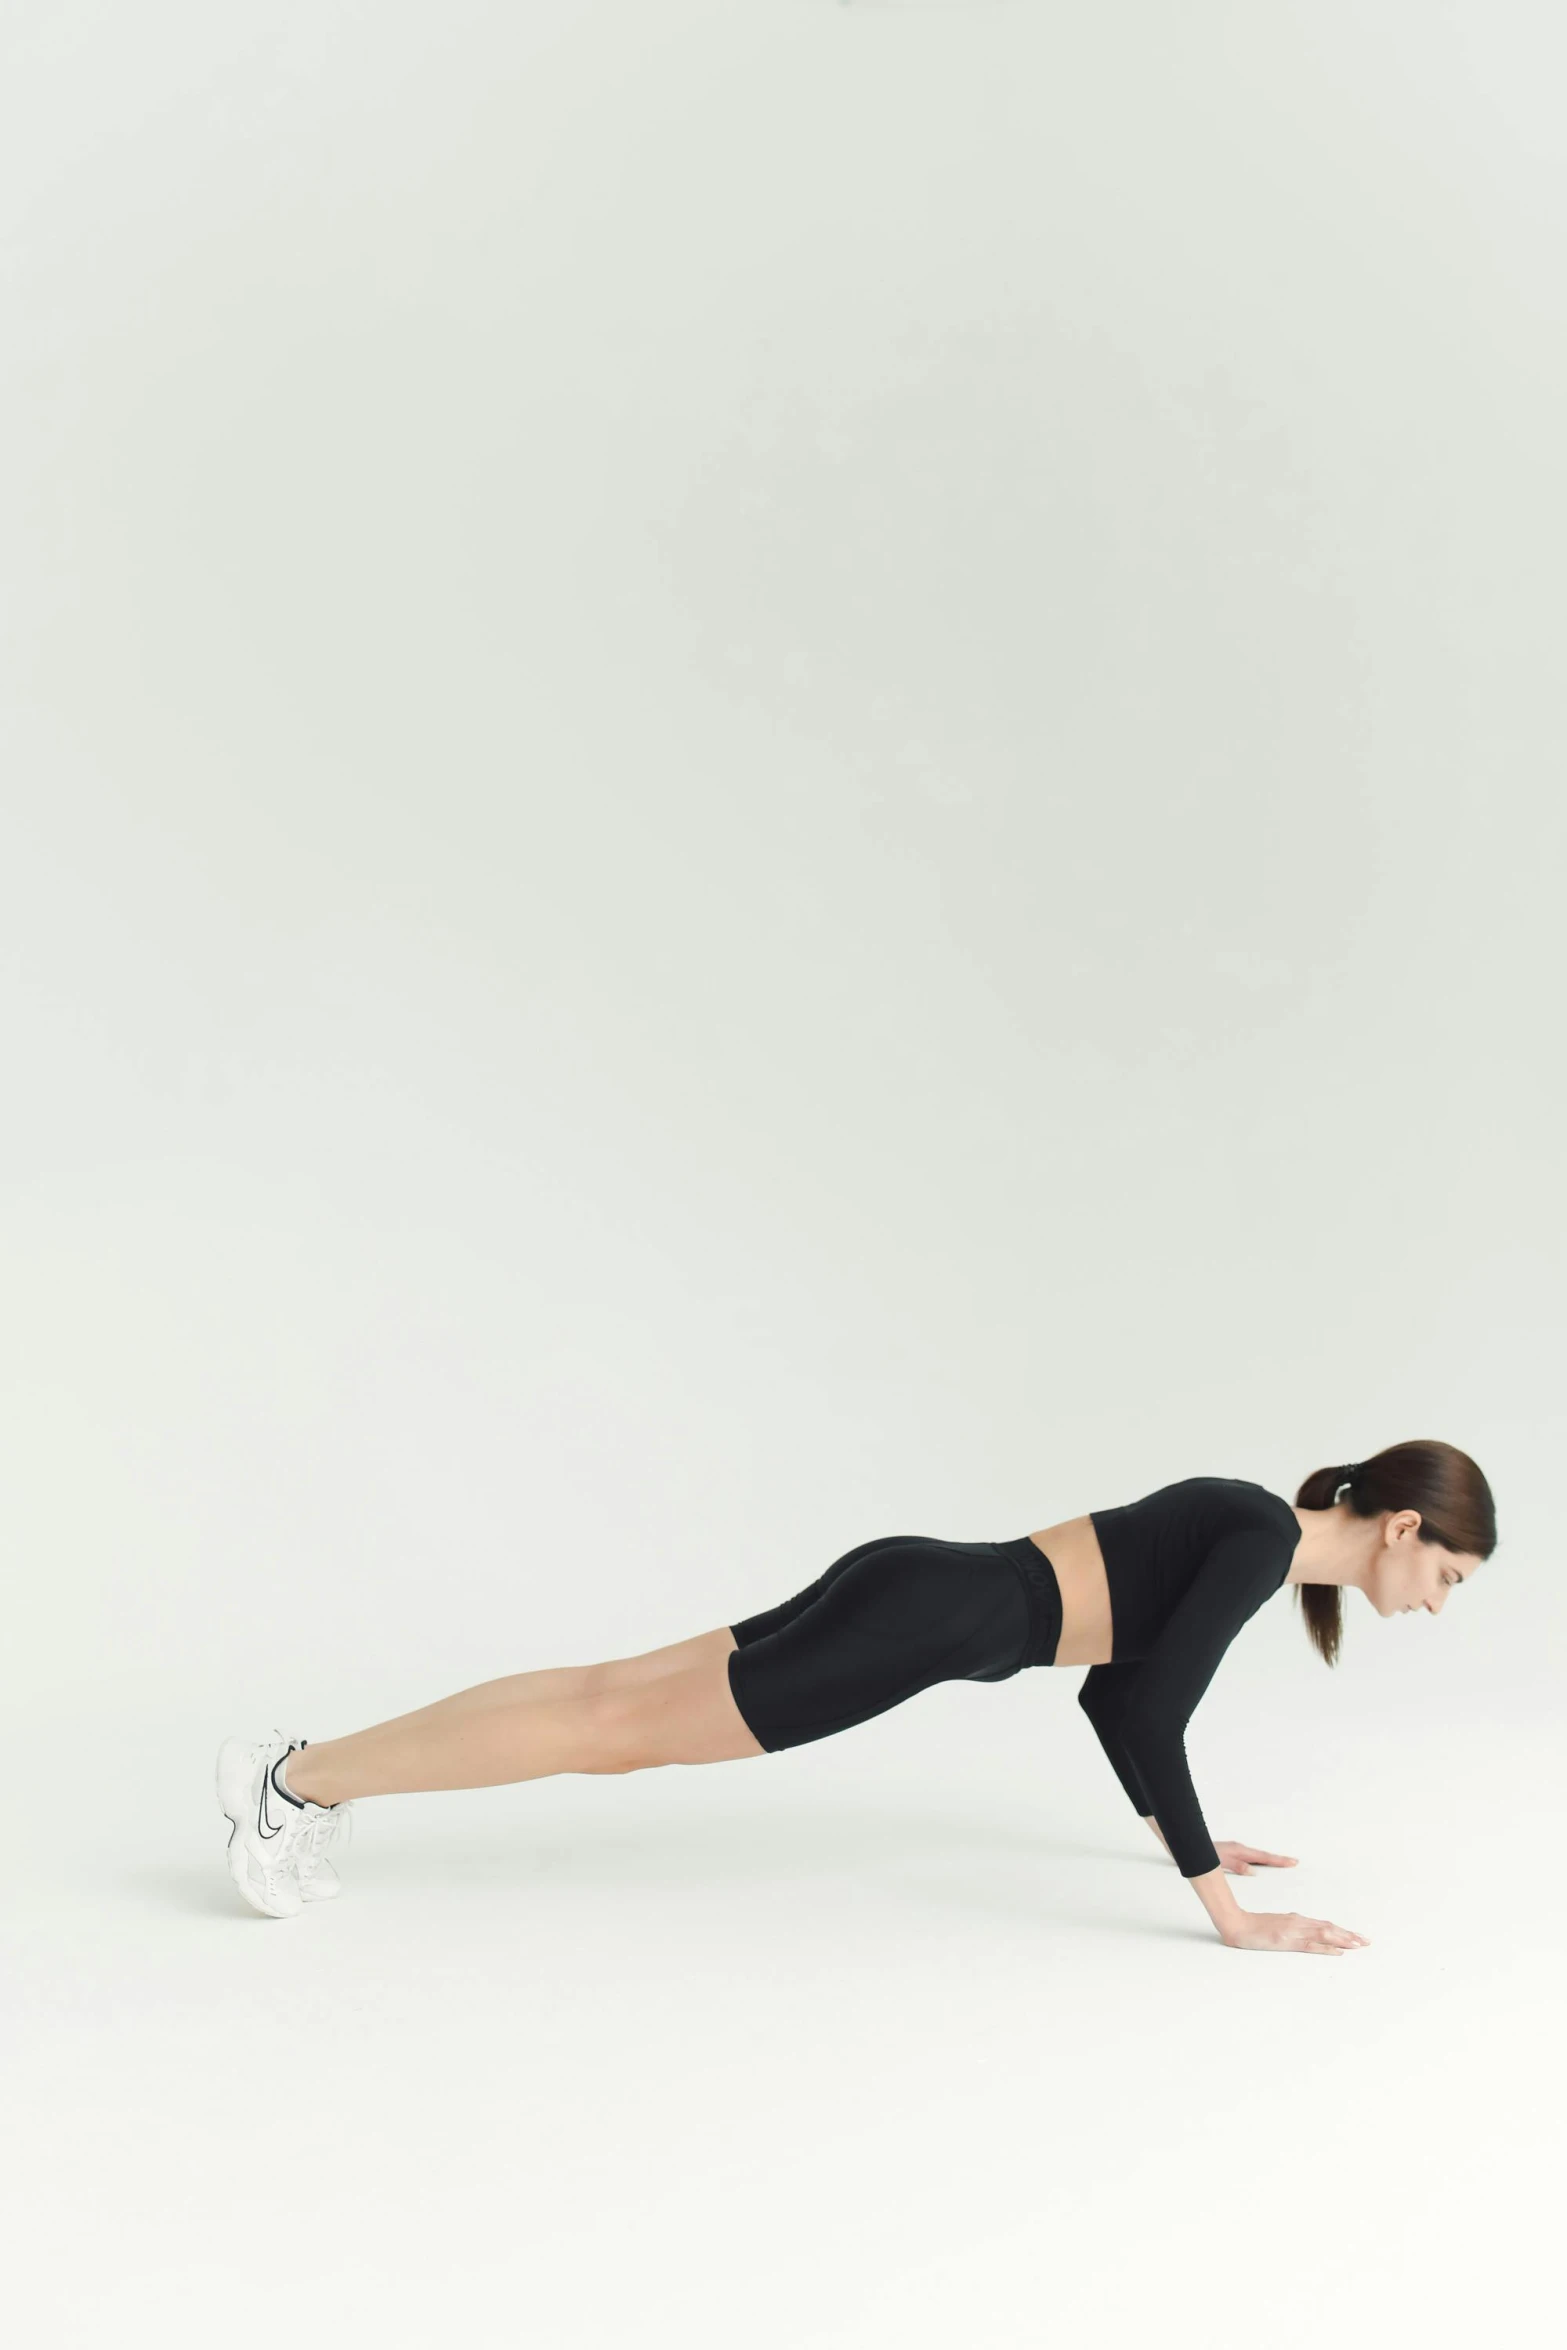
{"points": [[1408, 1574]]}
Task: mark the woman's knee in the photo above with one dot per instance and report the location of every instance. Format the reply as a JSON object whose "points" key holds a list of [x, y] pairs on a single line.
{"points": [[613, 1728]]}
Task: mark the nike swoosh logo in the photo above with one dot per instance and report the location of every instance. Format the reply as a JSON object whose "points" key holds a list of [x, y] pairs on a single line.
{"points": [[262, 1826]]}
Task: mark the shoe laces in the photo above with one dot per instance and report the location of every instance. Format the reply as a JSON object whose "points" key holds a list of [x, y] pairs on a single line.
{"points": [[318, 1832]]}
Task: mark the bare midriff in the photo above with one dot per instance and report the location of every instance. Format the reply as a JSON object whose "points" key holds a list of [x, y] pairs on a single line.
{"points": [[1087, 1632]]}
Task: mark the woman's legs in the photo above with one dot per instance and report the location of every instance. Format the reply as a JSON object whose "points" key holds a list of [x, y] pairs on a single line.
{"points": [[671, 1705]]}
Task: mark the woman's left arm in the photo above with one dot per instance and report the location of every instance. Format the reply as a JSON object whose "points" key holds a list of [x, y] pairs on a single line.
{"points": [[1243, 1568]]}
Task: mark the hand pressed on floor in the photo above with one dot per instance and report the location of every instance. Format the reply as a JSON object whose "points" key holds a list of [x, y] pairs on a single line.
{"points": [[1241, 1859], [1287, 1930]]}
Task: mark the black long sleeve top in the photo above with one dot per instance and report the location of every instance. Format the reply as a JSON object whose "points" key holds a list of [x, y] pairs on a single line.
{"points": [[1187, 1567]]}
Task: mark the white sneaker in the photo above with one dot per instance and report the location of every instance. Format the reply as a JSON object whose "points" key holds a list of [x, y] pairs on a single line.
{"points": [[266, 1835]]}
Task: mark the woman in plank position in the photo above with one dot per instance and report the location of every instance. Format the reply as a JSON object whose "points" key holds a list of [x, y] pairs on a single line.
{"points": [[1148, 1595]]}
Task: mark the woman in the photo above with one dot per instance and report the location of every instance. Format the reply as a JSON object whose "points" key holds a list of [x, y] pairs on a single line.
{"points": [[1148, 1595]]}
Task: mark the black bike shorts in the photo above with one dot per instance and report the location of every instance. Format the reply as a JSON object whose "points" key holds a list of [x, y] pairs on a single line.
{"points": [[885, 1621]]}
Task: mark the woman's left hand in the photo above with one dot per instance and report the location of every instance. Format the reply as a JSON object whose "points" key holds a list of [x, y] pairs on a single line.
{"points": [[1241, 1859]]}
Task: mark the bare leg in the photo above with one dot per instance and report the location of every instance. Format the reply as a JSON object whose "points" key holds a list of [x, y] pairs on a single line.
{"points": [[572, 1680], [610, 1717]]}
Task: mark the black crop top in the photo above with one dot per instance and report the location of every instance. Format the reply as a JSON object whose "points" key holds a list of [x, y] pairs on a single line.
{"points": [[1187, 1567]]}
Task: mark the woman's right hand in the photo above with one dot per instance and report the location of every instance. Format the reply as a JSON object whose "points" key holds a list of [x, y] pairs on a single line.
{"points": [[1286, 1929]]}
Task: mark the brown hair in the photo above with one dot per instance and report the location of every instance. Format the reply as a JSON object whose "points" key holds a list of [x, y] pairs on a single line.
{"points": [[1442, 1483]]}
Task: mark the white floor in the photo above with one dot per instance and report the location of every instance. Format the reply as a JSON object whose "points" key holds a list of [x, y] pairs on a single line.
{"points": [[826, 2049]]}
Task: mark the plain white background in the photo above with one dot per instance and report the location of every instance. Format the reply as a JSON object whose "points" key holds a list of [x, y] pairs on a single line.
{"points": [[772, 772]]}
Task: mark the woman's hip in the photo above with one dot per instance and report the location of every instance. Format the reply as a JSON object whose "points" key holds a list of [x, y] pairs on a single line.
{"points": [[889, 1618]]}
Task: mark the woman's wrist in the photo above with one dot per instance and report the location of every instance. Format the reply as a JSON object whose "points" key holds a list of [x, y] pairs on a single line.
{"points": [[1217, 1899], [1211, 1889]]}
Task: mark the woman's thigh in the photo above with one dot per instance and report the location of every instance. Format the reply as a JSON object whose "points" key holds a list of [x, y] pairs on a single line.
{"points": [[688, 1716], [886, 1622], [624, 1672], [656, 1664]]}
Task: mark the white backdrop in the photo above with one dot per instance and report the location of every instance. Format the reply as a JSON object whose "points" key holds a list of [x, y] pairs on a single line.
{"points": [[772, 773]]}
